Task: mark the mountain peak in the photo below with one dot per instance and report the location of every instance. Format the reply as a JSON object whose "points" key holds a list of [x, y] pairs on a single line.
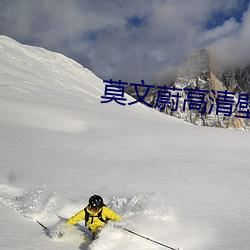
{"points": [[197, 64]]}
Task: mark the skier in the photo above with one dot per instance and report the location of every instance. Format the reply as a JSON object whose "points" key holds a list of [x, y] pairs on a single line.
{"points": [[95, 214]]}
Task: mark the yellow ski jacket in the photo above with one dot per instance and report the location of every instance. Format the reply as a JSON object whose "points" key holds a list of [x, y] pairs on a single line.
{"points": [[94, 223]]}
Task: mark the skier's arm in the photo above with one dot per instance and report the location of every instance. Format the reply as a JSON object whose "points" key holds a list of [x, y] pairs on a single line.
{"points": [[77, 217], [110, 214]]}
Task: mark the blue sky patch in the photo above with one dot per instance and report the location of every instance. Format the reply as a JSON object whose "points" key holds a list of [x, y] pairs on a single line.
{"points": [[136, 21], [219, 17]]}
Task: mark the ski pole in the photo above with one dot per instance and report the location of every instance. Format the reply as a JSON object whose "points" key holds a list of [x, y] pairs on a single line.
{"points": [[146, 238], [45, 228]]}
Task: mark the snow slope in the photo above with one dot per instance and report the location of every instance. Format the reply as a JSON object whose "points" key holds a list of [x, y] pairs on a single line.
{"points": [[176, 183]]}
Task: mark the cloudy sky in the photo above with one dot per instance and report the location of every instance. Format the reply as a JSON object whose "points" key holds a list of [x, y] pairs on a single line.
{"points": [[131, 39]]}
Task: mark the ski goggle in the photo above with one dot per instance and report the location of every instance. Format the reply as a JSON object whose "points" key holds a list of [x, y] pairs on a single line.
{"points": [[94, 208]]}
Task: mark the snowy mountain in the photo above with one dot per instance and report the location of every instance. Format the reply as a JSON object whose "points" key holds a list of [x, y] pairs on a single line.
{"points": [[182, 185], [200, 71]]}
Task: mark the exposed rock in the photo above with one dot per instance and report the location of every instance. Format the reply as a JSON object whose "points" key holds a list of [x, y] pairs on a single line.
{"points": [[199, 73]]}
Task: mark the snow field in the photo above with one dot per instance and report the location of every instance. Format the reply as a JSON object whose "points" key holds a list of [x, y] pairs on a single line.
{"points": [[181, 185]]}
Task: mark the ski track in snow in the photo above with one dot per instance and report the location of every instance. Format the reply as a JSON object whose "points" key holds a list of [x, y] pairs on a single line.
{"points": [[42, 116]]}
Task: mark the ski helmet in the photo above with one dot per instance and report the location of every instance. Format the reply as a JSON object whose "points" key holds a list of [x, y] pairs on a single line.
{"points": [[95, 202]]}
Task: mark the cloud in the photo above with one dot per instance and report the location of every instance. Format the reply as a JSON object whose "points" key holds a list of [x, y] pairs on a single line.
{"points": [[228, 28], [233, 49], [127, 40]]}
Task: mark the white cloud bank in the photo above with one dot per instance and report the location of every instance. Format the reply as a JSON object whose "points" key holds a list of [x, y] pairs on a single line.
{"points": [[128, 40]]}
